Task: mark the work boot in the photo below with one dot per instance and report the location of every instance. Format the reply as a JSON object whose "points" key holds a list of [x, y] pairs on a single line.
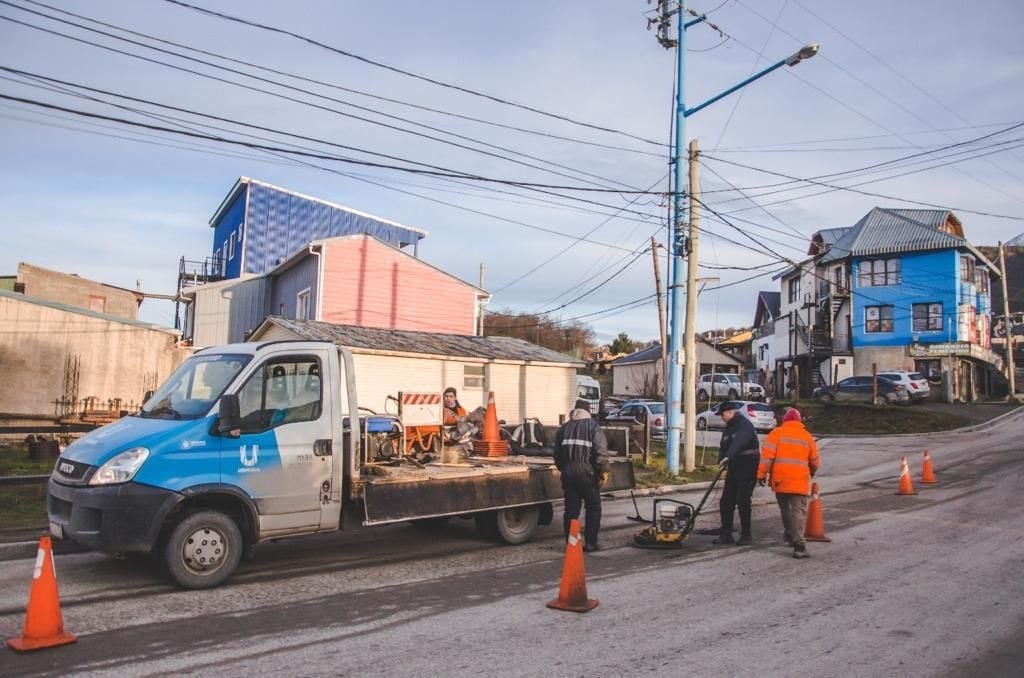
{"points": [[787, 540], [724, 538], [745, 540], [590, 548], [800, 551]]}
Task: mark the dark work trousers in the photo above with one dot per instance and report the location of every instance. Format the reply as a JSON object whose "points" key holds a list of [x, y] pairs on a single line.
{"points": [[740, 479], [582, 489]]}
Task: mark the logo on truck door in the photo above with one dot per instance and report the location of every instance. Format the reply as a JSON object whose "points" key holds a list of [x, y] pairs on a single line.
{"points": [[247, 459]]}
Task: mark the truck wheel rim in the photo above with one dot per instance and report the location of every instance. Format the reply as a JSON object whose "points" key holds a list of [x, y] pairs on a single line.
{"points": [[204, 550], [516, 520]]}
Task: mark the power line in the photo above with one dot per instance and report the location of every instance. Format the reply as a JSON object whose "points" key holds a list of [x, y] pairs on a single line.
{"points": [[293, 88], [410, 74]]}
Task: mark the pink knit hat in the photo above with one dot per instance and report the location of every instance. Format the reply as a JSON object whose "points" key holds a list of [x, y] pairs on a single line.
{"points": [[792, 414]]}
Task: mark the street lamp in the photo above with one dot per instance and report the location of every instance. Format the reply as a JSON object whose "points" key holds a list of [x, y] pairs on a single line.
{"points": [[683, 246]]}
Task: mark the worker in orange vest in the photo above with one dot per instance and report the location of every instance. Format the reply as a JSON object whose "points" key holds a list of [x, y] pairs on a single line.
{"points": [[789, 456]]}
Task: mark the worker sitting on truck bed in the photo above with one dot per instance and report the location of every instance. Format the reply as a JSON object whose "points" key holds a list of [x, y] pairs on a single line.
{"points": [[581, 455], [452, 409]]}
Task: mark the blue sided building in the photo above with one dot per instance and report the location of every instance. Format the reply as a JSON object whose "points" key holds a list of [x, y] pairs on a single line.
{"points": [[258, 226], [919, 297]]}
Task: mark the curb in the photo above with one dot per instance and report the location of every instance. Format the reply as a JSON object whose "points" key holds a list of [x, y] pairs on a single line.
{"points": [[20, 550]]}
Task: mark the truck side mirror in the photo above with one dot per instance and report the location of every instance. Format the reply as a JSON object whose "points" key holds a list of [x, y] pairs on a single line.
{"points": [[147, 396], [229, 420]]}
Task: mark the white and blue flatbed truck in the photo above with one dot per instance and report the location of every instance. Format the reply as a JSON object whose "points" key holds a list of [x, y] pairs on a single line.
{"points": [[257, 441]]}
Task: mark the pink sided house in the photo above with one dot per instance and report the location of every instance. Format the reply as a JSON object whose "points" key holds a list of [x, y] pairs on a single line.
{"points": [[360, 281]]}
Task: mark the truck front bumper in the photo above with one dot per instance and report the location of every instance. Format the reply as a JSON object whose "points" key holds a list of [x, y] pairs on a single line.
{"points": [[110, 518]]}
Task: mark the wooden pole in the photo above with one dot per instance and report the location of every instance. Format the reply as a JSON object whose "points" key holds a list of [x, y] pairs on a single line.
{"points": [[647, 441], [1011, 368], [835, 375], [661, 315], [874, 382], [796, 383]]}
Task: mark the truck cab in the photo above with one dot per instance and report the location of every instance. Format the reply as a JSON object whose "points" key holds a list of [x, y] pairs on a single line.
{"points": [[588, 389], [249, 442]]}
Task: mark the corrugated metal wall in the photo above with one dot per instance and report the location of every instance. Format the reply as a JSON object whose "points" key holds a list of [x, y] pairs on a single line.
{"points": [[224, 313], [231, 222], [279, 224], [374, 285], [288, 284]]}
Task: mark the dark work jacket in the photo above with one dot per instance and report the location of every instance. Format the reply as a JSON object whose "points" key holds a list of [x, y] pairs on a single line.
{"points": [[738, 439], [581, 448]]}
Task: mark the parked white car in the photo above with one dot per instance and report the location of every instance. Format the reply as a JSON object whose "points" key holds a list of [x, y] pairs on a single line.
{"points": [[915, 382], [727, 386], [759, 414]]}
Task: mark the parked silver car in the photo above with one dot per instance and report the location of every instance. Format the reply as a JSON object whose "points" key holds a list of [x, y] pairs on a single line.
{"points": [[727, 385], [759, 414], [637, 412]]}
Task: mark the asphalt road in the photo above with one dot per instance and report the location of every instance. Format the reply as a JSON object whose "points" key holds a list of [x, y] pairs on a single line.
{"points": [[920, 586]]}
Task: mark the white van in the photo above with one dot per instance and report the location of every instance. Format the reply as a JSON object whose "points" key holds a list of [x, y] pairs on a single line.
{"points": [[588, 389]]}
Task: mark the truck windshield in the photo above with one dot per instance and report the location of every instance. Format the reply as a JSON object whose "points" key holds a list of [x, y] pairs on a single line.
{"points": [[194, 387], [733, 378], [588, 392]]}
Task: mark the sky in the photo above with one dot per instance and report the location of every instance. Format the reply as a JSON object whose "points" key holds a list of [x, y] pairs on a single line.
{"points": [[123, 204]]}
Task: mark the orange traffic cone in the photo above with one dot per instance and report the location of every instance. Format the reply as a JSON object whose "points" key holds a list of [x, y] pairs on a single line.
{"points": [[927, 474], [490, 443], [572, 594], [814, 528], [906, 487], [44, 626]]}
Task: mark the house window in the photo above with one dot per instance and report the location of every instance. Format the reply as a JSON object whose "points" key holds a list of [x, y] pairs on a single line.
{"points": [[231, 246], [302, 305], [967, 268], [794, 290], [927, 317], [879, 272], [98, 304], [878, 319], [981, 280], [473, 376]]}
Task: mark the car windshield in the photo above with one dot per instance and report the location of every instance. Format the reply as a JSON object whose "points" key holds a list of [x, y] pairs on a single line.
{"points": [[916, 376], [758, 407], [733, 378], [194, 386], [657, 408]]}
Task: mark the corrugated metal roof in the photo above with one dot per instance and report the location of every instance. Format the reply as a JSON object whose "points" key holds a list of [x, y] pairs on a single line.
{"points": [[424, 343], [78, 310], [649, 354], [653, 353], [887, 231]]}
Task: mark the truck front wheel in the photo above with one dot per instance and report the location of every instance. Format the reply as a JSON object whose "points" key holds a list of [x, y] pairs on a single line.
{"points": [[203, 550]]}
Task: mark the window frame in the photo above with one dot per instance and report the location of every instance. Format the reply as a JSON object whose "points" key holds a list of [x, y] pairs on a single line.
{"points": [[794, 290], [265, 419], [880, 272], [881, 319], [303, 299], [470, 378], [929, 317], [231, 247]]}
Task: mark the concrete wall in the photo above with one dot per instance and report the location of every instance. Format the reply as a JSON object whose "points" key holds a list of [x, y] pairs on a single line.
{"points": [[64, 288], [885, 357], [117, 359]]}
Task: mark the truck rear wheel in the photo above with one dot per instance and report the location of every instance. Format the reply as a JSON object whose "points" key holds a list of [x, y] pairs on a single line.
{"points": [[203, 550], [516, 525]]}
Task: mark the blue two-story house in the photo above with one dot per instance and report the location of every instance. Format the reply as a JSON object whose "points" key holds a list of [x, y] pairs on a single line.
{"points": [[918, 298]]}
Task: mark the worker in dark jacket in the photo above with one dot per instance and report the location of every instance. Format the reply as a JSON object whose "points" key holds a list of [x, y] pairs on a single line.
{"points": [[581, 456], [740, 451]]}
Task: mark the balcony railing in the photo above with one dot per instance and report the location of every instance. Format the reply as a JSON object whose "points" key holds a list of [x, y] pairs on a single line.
{"points": [[828, 288]]}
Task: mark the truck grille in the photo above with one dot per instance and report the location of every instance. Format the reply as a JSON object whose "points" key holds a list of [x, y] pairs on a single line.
{"points": [[71, 472]]}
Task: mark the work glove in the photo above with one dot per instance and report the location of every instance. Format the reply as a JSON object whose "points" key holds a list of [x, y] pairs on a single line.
{"points": [[723, 462], [762, 481], [602, 479]]}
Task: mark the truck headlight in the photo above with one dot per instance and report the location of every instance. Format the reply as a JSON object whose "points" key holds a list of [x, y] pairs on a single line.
{"points": [[121, 468]]}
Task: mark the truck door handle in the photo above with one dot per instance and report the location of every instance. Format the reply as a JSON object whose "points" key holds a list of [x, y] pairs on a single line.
{"points": [[322, 448]]}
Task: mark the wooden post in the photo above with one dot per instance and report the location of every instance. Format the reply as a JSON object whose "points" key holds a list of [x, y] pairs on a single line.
{"points": [[835, 375], [661, 317], [1011, 368], [796, 383], [874, 382], [647, 441]]}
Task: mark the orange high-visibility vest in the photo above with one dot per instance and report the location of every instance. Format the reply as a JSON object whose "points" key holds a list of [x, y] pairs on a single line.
{"points": [[789, 455]]}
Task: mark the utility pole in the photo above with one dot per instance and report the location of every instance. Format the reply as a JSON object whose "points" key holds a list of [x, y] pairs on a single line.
{"points": [[661, 310], [690, 344], [1011, 369]]}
